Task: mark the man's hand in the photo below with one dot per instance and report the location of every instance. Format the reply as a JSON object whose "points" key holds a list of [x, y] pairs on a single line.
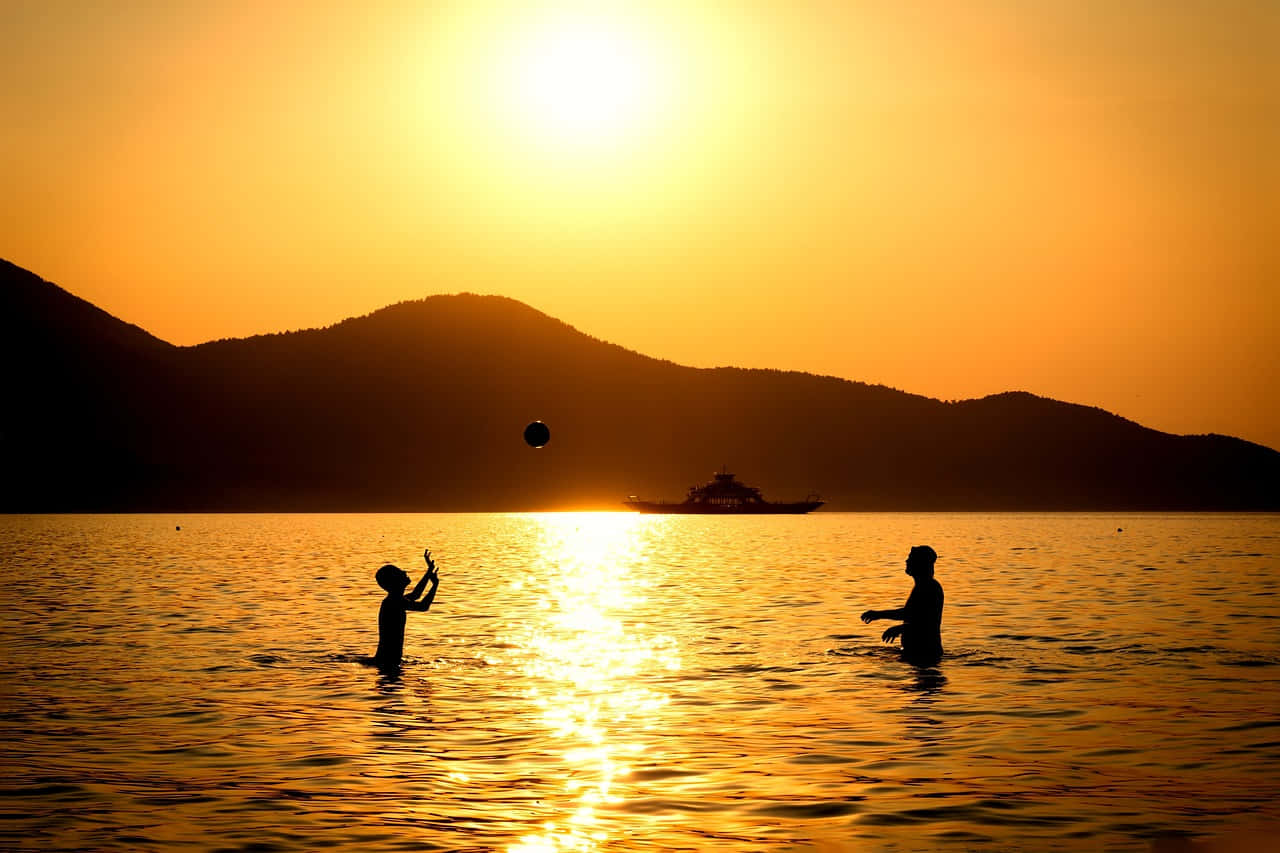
{"points": [[870, 616], [431, 566], [891, 634]]}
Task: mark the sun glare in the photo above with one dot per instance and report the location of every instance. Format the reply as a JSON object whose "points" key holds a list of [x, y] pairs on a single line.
{"points": [[584, 80], [566, 117]]}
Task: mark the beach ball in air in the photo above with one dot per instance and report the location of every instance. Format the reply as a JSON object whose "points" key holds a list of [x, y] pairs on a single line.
{"points": [[537, 434]]}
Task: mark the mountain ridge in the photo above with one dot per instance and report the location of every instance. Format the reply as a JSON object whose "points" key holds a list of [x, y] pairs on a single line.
{"points": [[420, 405]]}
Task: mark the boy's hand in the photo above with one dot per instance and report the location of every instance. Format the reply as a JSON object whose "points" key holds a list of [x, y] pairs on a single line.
{"points": [[891, 634], [431, 566], [869, 617]]}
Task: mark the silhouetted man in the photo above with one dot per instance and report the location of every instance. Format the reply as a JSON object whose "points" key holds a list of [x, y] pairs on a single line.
{"points": [[921, 628], [391, 616]]}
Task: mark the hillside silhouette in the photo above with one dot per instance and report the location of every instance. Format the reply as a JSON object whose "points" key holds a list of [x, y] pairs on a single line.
{"points": [[421, 406]]}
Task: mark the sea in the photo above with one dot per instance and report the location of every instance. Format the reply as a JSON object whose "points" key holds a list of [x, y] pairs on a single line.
{"points": [[621, 682]]}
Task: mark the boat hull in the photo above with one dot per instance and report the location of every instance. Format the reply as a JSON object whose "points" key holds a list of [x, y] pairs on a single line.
{"points": [[694, 508]]}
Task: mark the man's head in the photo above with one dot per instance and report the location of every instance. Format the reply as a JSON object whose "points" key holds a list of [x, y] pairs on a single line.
{"points": [[920, 561], [392, 578]]}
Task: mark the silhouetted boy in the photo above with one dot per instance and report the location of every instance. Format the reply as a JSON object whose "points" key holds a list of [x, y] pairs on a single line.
{"points": [[921, 628], [391, 616]]}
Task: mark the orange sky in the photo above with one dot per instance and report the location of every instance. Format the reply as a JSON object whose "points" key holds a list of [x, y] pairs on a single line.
{"points": [[1077, 198]]}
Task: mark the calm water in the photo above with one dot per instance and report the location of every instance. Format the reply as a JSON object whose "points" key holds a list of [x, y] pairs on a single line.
{"points": [[617, 682]]}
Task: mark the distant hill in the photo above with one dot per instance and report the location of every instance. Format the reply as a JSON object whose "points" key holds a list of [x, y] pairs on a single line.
{"points": [[420, 406]]}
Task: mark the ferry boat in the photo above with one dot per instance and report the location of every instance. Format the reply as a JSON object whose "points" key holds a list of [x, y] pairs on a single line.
{"points": [[724, 495]]}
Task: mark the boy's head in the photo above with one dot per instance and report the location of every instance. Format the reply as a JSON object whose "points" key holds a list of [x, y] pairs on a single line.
{"points": [[920, 561], [391, 578]]}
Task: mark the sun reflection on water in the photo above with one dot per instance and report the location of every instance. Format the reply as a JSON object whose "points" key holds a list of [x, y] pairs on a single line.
{"points": [[590, 665]]}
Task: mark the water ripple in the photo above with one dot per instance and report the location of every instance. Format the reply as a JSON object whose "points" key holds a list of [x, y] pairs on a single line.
{"points": [[616, 682]]}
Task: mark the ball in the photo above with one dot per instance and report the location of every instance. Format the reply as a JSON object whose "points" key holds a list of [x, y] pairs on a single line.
{"points": [[537, 434]]}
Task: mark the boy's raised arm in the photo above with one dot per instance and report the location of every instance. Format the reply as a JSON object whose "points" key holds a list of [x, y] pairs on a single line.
{"points": [[432, 576], [422, 581], [425, 604]]}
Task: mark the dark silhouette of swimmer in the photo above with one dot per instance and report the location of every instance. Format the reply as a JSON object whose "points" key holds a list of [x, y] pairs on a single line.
{"points": [[391, 616], [921, 628]]}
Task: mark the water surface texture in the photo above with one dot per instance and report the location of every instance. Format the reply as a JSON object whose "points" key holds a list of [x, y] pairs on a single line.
{"points": [[618, 682]]}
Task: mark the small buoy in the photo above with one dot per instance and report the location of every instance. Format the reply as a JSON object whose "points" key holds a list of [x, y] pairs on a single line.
{"points": [[179, 527], [1119, 530], [537, 434]]}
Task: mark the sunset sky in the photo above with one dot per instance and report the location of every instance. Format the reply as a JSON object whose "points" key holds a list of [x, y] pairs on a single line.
{"points": [[1078, 198]]}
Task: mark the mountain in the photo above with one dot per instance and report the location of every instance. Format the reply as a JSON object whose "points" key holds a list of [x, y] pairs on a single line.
{"points": [[421, 406]]}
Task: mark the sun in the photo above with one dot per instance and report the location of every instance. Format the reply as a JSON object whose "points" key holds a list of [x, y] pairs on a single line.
{"points": [[585, 80]]}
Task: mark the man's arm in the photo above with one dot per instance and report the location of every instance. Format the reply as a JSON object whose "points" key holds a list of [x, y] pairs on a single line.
{"points": [[892, 633], [873, 615]]}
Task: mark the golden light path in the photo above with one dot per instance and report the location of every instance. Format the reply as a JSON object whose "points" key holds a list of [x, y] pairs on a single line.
{"points": [[587, 662]]}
